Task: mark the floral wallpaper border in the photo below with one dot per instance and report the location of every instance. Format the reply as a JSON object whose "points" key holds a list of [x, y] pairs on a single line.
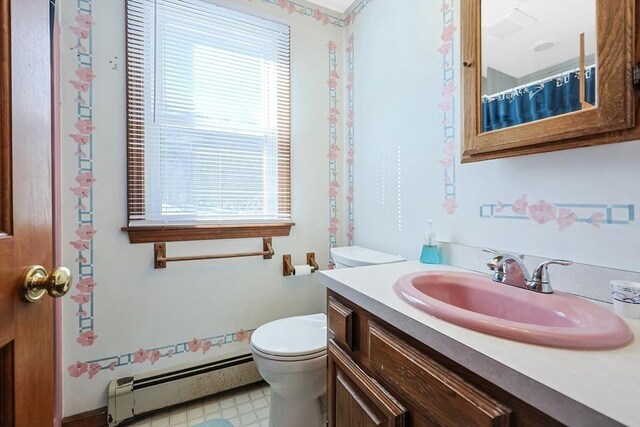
{"points": [[152, 355], [350, 54], [326, 18], [448, 161], [295, 7], [334, 149], [564, 215], [83, 187], [354, 10]]}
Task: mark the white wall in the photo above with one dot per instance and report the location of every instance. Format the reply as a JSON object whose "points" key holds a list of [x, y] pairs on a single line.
{"points": [[402, 62], [400, 47], [133, 306]]}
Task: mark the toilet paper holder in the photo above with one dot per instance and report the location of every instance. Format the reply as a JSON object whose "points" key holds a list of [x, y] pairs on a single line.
{"points": [[288, 269]]}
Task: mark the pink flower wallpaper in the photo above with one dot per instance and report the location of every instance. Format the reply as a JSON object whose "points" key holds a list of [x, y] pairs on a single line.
{"points": [[563, 215], [334, 148], [292, 7], [350, 129], [152, 355], [448, 159], [85, 179]]}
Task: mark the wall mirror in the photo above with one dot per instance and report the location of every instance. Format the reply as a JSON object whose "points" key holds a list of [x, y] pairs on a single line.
{"points": [[542, 75]]}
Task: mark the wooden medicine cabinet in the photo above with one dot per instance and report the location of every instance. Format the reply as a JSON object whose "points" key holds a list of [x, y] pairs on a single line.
{"points": [[538, 79]]}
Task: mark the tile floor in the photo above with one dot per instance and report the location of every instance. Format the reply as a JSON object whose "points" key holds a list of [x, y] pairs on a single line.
{"points": [[244, 407]]}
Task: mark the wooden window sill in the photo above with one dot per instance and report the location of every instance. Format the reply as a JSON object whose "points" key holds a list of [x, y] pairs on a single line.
{"points": [[181, 233]]}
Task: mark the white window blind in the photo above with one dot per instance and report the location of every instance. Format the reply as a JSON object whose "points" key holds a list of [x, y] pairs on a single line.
{"points": [[208, 115]]}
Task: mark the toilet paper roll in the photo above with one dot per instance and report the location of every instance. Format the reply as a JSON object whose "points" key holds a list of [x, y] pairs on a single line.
{"points": [[302, 270]]}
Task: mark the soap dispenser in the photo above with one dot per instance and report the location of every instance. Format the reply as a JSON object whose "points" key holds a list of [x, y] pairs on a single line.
{"points": [[430, 251]]}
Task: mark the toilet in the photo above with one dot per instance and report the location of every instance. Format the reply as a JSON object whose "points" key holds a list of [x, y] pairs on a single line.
{"points": [[291, 354], [356, 256]]}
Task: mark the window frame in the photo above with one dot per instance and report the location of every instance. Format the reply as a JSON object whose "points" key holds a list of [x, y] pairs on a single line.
{"points": [[150, 233]]}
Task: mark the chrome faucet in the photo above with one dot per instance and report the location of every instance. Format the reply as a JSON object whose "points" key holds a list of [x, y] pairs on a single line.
{"points": [[509, 269]]}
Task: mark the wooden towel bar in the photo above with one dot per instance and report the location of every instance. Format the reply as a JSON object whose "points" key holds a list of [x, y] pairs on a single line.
{"points": [[161, 259]]}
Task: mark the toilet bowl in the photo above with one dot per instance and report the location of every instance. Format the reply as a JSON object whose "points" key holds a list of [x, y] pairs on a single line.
{"points": [[291, 354]]}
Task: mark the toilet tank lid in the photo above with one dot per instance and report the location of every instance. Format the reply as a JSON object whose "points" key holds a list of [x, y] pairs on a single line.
{"points": [[292, 336], [356, 255]]}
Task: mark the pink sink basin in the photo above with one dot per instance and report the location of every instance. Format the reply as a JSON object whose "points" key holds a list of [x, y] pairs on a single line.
{"points": [[476, 302]]}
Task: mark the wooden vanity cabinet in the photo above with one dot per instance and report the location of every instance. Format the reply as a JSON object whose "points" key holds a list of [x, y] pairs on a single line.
{"points": [[379, 376]]}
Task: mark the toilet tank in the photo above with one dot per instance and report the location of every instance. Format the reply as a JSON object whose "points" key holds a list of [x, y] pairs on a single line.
{"points": [[356, 256]]}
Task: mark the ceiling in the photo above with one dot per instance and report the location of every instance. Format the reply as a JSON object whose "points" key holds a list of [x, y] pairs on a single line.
{"points": [[337, 5], [514, 54], [560, 22]]}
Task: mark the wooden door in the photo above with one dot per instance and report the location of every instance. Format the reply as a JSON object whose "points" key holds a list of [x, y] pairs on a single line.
{"points": [[356, 400], [26, 329]]}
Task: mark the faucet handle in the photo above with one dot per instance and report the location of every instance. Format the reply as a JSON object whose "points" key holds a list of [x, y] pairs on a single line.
{"points": [[540, 278], [555, 261]]}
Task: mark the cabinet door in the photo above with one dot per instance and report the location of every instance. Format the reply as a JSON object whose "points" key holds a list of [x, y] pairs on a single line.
{"points": [[441, 395], [340, 323], [355, 399]]}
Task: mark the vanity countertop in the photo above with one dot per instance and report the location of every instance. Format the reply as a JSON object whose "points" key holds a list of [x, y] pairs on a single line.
{"points": [[569, 385]]}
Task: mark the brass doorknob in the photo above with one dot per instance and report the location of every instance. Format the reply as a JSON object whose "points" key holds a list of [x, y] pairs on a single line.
{"points": [[36, 281]]}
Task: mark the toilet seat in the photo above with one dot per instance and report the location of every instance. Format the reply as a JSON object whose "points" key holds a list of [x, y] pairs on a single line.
{"points": [[296, 358], [292, 338]]}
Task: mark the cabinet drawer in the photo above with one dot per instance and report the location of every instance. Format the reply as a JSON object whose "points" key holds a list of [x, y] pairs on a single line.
{"points": [[443, 396], [355, 399], [340, 324]]}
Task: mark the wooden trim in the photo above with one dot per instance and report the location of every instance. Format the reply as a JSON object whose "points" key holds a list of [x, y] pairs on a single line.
{"points": [[6, 205], [94, 418], [284, 141], [135, 157], [7, 385], [583, 76], [155, 234], [614, 119]]}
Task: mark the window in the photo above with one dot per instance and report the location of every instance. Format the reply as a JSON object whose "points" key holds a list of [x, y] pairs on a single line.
{"points": [[208, 120]]}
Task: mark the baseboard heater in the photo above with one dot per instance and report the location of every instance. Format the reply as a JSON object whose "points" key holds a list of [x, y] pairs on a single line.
{"points": [[141, 394]]}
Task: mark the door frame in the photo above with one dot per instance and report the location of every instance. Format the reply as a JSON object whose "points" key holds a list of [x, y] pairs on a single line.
{"points": [[56, 203]]}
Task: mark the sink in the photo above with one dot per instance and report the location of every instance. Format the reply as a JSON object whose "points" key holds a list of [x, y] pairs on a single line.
{"points": [[476, 302]]}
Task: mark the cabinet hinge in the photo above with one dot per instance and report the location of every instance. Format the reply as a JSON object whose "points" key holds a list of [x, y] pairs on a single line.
{"points": [[636, 75]]}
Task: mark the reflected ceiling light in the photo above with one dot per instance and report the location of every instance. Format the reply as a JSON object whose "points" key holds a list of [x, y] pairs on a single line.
{"points": [[511, 22], [543, 45]]}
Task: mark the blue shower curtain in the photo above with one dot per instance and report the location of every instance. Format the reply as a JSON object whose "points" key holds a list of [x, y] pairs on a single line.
{"points": [[538, 101]]}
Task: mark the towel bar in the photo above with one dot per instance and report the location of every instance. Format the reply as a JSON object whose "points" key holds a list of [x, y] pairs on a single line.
{"points": [[160, 254]]}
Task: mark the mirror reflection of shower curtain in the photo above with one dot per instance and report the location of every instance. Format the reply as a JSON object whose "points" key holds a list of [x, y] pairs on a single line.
{"points": [[537, 101]]}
